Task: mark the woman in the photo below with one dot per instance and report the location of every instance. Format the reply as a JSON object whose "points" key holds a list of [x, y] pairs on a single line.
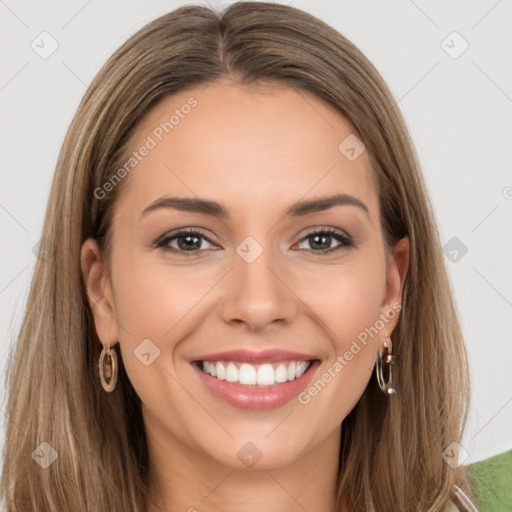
{"points": [[245, 306]]}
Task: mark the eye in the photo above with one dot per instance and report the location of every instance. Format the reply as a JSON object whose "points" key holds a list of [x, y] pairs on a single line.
{"points": [[320, 240], [187, 240], [191, 241]]}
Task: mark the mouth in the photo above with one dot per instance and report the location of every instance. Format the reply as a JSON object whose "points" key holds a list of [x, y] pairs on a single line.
{"points": [[252, 375], [255, 381]]}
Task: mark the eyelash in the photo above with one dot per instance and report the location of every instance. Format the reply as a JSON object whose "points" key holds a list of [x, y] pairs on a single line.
{"points": [[345, 241]]}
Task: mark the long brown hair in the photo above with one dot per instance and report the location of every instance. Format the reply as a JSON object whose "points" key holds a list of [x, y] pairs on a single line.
{"points": [[391, 450]]}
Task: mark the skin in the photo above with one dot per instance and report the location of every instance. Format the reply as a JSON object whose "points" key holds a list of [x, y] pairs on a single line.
{"points": [[257, 152]]}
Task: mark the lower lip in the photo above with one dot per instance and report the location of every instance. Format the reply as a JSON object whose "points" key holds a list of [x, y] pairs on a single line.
{"points": [[257, 399]]}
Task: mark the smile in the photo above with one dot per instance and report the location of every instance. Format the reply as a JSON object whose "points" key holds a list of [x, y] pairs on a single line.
{"points": [[262, 375], [252, 380]]}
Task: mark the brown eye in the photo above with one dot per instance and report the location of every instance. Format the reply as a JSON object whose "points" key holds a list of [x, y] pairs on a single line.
{"points": [[184, 241], [321, 240]]}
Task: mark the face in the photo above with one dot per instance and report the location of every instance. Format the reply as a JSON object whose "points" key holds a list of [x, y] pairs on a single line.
{"points": [[287, 298]]}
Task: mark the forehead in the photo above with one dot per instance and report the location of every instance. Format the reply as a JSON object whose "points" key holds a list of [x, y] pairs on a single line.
{"points": [[247, 147]]}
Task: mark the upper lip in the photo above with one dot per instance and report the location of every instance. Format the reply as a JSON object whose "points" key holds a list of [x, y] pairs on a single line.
{"points": [[250, 356]]}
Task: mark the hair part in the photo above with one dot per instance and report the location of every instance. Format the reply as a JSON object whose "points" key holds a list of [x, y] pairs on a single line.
{"points": [[391, 448]]}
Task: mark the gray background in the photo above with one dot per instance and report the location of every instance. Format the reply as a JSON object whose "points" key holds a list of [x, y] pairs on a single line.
{"points": [[458, 106]]}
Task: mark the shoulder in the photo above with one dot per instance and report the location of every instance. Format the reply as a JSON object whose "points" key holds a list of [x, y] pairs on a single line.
{"points": [[460, 502]]}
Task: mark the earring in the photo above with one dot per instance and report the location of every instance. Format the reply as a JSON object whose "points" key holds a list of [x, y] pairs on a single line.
{"points": [[385, 360], [111, 368]]}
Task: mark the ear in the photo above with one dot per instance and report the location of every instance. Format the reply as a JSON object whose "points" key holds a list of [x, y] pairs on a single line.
{"points": [[396, 272], [99, 292]]}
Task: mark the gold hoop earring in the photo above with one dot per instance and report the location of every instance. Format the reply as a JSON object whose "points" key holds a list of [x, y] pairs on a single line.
{"points": [[111, 372], [385, 360]]}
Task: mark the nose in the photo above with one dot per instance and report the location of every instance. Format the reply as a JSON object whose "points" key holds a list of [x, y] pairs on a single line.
{"points": [[257, 293]]}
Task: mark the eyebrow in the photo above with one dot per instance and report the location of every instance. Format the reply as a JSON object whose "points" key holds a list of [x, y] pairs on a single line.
{"points": [[214, 209]]}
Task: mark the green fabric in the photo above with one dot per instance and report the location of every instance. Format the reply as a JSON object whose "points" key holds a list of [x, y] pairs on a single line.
{"points": [[492, 483]]}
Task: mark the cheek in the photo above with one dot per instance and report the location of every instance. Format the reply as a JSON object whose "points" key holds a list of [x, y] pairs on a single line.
{"points": [[152, 298], [349, 304], [347, 298]]}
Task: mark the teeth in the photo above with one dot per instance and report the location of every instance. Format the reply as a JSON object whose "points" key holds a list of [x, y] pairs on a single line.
{"points": [[260, 375], [281, 373], [220, 370], [247, 374], [265, 375], [232, 373]]}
